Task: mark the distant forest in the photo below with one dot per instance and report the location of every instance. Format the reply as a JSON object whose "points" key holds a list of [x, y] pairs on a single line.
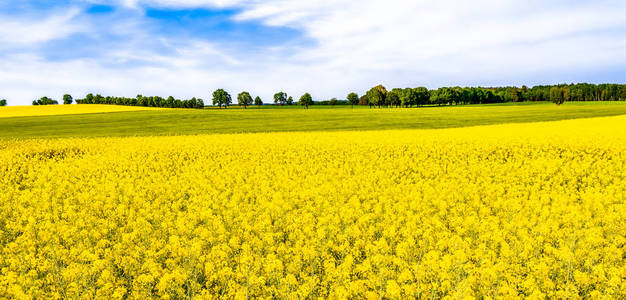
{"points": [[407, 97], [139, 100], [379, 96]]}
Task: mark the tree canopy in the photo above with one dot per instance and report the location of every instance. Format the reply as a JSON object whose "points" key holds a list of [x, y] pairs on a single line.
{"points": [[353, 99], [140, 100], [244, 99], [67, 99], [221, 98], [45, 101], [419, 96], [393, 97], [379, 96], [258, 101], [306, 100], [376, 96], [280, 98]]}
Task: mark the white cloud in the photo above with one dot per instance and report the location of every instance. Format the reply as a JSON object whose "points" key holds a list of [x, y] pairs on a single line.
{"points": [[180, 3], [355, 45], [35, 29]]}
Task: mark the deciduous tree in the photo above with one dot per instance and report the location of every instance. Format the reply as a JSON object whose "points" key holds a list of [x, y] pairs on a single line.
{"points": [[306, 100], [67, 99], [376, 95], [221, 97], [244, 99], [258, 102], [353, 98], [280, 98], [45, 101]]}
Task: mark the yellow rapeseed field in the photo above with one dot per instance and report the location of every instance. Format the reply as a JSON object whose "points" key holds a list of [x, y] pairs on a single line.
{"points": [[506, 211], [48, 110]]}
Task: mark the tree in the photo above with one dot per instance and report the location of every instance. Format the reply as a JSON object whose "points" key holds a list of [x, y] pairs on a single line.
{"points": [[45, 101], [407, 97], [446, 95], [258, 102], [393, 97], [221, 97], [332, 102], [306, 100], [557, 95], [67, 99], [289, 100], [170, 102], [353, 98], [280, 98], [376, 95], [363, 100], [98, 99], [422, 96], [199, 103], [3, 102], [244, 99]]}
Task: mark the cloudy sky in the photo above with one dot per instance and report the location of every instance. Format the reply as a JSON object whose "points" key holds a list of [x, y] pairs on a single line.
{"points": [[189, 48]]}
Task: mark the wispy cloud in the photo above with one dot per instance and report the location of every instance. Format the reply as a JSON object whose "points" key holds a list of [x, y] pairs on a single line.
{"points": [[30, 30], [190, 47]]}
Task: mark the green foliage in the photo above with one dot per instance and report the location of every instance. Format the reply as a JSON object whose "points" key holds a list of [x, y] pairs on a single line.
{"points": [[289, 100], [376, 96], [393, 97], [332, 102], [280, 98], [558, 95], [140, 100], [407, 97], [221, 98], [67, 99], [3, 102], [258, 101], [479, 95], [45, 101], [244, 99], [422, 96], [306, 100], [353, 98]]}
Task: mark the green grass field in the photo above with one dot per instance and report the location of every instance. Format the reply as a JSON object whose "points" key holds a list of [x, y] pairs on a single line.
{"points": [[318, 118]]}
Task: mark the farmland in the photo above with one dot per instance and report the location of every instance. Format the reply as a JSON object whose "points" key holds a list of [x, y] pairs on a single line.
{"points": [[532, 209], [151, 121]]}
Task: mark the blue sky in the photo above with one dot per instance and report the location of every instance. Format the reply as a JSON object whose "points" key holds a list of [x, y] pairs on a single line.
{"points": [[188, 48]]}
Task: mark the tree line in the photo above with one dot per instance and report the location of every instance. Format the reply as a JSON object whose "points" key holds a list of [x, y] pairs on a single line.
{"points": [[140, 100], [67, 99], [379, 96]]}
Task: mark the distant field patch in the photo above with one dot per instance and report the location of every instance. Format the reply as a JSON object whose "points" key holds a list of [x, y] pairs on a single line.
{"points": [[153, 121], [52, 110]]}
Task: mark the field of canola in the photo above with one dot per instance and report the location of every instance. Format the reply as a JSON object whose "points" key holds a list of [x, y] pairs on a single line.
{"points": [[520, 210], [50, 110]]}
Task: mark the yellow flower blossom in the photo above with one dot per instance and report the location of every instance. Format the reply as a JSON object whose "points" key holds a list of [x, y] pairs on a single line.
{"points": [[49, 110], [506, 211]]}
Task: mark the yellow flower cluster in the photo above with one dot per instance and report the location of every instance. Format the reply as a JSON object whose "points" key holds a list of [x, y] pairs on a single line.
{"points": [[49, 110], [520, 210]]}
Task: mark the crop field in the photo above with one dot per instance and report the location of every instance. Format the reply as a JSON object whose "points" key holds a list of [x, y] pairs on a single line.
{"points": [[94, 122], [497, 211], [53, 110]]}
